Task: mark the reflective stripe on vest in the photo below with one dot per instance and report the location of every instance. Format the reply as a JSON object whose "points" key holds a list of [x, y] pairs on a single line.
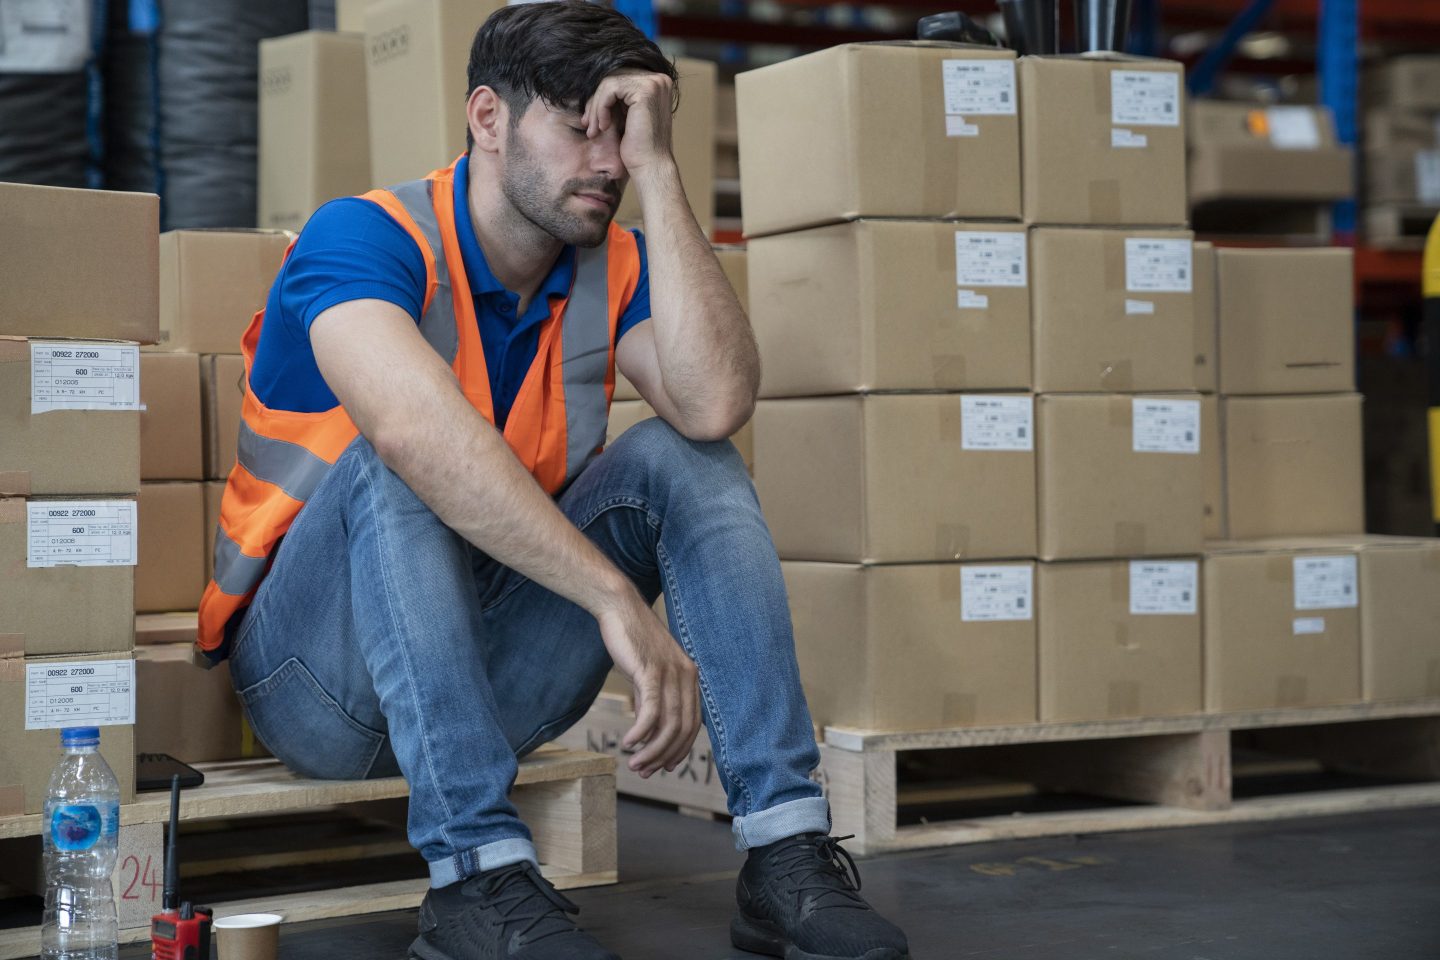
{"points": [[437, 325]]}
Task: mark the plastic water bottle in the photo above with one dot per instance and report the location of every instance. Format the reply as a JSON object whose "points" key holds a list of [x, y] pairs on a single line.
{"points": [[81, 826]]}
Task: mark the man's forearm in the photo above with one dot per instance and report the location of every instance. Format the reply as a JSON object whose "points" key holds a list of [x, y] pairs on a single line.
{"points": [[709, 364]]}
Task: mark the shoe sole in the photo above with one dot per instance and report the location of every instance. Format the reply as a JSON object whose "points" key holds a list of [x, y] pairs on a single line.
{"points": [[757, 936]]}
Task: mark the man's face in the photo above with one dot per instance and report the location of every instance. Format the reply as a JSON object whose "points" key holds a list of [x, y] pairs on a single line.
{"points": [[560, 180]]}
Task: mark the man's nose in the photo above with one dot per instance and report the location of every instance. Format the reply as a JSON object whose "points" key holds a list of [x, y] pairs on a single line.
{"points": [[605, 155]]}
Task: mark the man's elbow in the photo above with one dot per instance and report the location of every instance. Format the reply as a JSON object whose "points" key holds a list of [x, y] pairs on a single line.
{"points": [[720, 422]]}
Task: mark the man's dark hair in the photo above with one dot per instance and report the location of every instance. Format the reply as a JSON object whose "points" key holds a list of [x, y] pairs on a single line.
{"points": [[557, 52]]}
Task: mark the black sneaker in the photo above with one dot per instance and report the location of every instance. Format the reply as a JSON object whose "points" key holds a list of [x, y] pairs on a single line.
{"points": [[509, 913], [799, 898]]}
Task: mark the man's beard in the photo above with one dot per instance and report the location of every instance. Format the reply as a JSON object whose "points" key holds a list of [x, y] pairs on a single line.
{"points": [[525, 186]]}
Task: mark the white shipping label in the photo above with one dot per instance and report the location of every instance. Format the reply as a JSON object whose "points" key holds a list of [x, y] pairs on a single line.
{"points": [[84, 376], [1138, 307], [1145, 98], [1305, 626], [81, 533], [956, 126], [89, 693], [990, 259], [1427, 175], [1123, 139], [1325, 583], [997, 423], [1153, 265], [1293, 128], [1163, 587], [996, 593], [970, 300], [1165, 426], [979, 87]]}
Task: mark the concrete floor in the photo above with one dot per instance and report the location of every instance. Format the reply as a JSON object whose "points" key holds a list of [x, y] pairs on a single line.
{"points": [[1349, 888]]}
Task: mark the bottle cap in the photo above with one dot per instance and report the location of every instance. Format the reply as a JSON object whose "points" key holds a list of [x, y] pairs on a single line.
{"points": [[80, 737]]}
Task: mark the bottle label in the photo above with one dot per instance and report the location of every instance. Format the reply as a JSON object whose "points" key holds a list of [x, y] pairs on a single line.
{"points": [[77, 826]]}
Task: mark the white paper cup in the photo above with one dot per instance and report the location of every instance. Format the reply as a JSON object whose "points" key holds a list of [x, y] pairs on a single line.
{"points": [[248, 936]]}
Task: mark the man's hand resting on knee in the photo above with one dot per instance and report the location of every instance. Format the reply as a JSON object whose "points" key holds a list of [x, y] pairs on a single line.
{"points": [[667, 699]]}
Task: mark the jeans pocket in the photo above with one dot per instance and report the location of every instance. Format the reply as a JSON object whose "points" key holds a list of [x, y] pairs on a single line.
{"points": [[306, 729]]}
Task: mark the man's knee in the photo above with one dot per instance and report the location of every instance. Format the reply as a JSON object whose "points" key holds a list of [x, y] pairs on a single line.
{"points": [[663, 450]]}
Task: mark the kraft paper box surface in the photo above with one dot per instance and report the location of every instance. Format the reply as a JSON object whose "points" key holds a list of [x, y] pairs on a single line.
{"points": [[889, 129], [28, 756], [223, 395], [189, 713], [1114, 310], [79, 263], [915, 646], [1243, 151], [1282, 626], [898, 478], [892, 305], [171, 571], [212, 282], [1119, 476], [1119, 638], [49, 444], [1207, 345], [66, 608], [1103, 140], [170, 434]]}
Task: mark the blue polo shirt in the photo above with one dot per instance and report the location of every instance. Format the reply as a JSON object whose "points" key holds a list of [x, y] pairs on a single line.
{"points": [[351, 249]]}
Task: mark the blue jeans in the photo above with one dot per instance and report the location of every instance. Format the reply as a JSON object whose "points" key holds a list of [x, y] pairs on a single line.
{"points": [[383, 643]]}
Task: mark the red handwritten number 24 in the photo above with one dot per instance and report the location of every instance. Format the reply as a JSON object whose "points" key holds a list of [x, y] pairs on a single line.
{"points": [[147, 878]]}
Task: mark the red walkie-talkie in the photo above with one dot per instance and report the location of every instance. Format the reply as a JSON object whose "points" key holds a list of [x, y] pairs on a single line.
{"points": [[183, 933]]}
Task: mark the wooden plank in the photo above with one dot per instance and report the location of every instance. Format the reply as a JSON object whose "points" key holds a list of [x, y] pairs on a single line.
{"points": [[847, 738], [1408, 748], [861, 790]]}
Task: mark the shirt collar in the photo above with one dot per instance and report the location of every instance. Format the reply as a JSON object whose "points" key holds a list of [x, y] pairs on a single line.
{"points": [[482, 280]]}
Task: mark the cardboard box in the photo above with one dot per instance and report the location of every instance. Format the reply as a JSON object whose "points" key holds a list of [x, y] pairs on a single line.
{"points": [[214, 493], [915, 646], [874, 305], [171, 572], [898, 478], [692, 139], [1103, 140], [733, 264], [1294, 466], [222, 395], [67, 451], [28, 756], [819, 135], [1287, 320], [1400, 618], [1243, 151], [55, 610], [79, 263], [1207, 323], [1119, 638], [1114, 310], [1119, 476], [350, 15], [1389, 131], [314, 125], [417, 52], [170, 435], [1403, 176], [159, 629], [212, 282], [1212, 465], [183, 710], [1406, 83], [1271, 641]]}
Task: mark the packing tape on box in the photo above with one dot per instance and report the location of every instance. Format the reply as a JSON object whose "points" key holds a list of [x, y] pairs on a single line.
{"points": [[1291, 691], [1122, 698], [1130, 537], [947, 582], [15, 483], [12, 644], [959, 709], [1122, 637], [1112, 257], [952, 540], [1117, 375], [12, 800], [938, 185], [12, 669]]}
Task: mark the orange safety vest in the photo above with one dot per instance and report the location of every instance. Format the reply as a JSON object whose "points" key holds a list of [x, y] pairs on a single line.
{"points": [[556, 424]]}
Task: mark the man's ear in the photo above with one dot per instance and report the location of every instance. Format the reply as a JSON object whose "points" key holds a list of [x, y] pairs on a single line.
{"points": [[486, 115]]}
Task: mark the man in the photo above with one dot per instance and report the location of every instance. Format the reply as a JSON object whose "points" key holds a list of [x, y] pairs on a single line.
{"points": [[423, 565]]}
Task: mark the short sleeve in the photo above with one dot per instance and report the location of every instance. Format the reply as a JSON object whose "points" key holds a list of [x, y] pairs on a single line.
{"points": [[638, 309]]}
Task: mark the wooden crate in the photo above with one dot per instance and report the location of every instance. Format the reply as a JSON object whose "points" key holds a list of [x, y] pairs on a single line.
{"points": [[567, 798]]}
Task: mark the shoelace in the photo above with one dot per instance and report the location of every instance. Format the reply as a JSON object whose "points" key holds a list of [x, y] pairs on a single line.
{"points": [[512, 890], [822, 864]]}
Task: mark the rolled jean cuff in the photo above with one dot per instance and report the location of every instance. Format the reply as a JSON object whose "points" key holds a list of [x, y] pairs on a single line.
{"points": [[806, 815], [491, 856]]}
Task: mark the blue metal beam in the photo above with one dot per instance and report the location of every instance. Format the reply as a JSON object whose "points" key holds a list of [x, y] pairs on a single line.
{"points": [[1207, 71], [1338, 62]]}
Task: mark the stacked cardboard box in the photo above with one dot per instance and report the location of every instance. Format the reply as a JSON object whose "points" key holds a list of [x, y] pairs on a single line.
{"points": [[894, 441], [1402, 150], [77, 291]]}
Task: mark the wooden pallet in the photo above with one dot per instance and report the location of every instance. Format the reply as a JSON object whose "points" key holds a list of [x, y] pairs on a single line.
{"points": [[1392, 226], [1174, 771], [567, 798]]}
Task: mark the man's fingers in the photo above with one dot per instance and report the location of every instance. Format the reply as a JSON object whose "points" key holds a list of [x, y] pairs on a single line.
{"points": [[646, 713]]}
